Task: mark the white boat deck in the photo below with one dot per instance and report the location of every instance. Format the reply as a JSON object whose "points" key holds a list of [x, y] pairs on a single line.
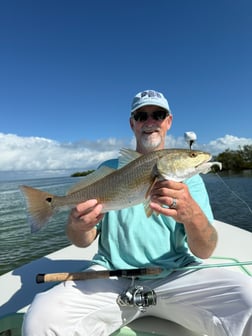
{"points": [[18, 287]]}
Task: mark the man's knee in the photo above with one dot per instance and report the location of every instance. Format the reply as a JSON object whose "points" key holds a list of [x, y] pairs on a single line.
{"points": [[41, 316]]}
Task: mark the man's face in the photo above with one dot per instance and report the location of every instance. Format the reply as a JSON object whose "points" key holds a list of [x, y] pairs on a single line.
{"points": [[150, 128]]}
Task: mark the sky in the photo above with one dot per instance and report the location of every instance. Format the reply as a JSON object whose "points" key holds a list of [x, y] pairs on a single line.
{"points": [[69, 71]]}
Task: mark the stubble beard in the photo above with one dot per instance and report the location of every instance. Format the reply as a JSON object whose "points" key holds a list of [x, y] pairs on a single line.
{"points": [[151, 141]]}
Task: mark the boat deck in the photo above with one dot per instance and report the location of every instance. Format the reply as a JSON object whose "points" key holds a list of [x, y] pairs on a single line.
{"points": [[18, 287]]}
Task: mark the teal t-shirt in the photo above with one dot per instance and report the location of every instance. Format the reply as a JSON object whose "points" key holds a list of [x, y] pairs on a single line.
{"points": [[128, 239]]}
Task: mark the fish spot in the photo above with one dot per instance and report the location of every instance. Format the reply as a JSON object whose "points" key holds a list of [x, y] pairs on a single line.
{"points": [[49, 199]]}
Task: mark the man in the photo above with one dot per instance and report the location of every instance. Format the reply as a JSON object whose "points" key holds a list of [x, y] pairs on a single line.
{"points": [[215, 302]]}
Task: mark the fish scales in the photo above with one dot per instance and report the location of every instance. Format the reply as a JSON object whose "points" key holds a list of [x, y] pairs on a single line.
{"points": [[130, 180]]}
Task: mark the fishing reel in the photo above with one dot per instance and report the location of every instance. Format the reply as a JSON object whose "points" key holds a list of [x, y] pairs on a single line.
{"points": [[137, 296]]}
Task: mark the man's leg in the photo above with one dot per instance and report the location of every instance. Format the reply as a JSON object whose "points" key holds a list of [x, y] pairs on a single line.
{"points": [[216, 302], [79, 308]]}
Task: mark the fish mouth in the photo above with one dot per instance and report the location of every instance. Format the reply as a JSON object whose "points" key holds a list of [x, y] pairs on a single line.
{"points": [[202, 163]]}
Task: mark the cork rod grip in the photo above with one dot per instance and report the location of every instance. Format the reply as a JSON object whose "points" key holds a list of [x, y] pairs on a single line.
{"points": [[59, 277]]}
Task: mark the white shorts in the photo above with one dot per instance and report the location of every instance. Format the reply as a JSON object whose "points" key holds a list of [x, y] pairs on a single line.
{"points": [[216, 302]]}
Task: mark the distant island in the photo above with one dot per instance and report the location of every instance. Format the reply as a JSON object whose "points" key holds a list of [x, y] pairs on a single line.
{"points": [[84, 173], [236, 160]]}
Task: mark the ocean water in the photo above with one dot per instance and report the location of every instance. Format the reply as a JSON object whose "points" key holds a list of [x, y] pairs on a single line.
{"points": [[18, 246]]}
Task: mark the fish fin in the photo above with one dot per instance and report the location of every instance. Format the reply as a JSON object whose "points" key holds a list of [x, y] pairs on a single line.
{"points": [[126, 156], [147, 195], [147, 209], [91, 178], [39, 205]]}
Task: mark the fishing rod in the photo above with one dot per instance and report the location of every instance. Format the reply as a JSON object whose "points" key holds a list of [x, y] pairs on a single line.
{"points": [[128, 273], [87, 275]]}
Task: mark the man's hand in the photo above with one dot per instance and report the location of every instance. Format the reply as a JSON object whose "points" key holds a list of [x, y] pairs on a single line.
{"points": [[201, 235], [81, 224], [165, 192]]}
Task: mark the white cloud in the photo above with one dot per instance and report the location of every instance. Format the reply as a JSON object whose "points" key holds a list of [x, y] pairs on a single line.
{"points": [[48, 157], [227, 142]]}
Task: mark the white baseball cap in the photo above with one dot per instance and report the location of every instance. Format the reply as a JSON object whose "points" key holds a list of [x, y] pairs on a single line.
{"points": [[149, 97]]}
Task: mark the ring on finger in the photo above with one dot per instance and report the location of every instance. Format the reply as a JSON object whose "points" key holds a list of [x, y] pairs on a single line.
{"points": [[174, 204]]}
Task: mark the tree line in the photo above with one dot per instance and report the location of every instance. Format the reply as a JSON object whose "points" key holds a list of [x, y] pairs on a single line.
{"points": [[239, 159], [84, 173]]}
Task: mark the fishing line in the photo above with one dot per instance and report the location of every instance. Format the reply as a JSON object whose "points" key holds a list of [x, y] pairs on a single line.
{"points": [[219, 265], [190, 137], [234, 193]]}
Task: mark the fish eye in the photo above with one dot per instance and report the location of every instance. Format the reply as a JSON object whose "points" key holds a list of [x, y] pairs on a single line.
{"points": [[193, 154]]}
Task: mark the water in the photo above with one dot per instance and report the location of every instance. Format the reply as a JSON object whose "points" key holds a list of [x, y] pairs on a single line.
{"points": [[231, 197], [18, 246]]}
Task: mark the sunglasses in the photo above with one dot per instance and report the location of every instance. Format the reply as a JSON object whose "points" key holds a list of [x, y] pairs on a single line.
{"points": [[156, 115]]}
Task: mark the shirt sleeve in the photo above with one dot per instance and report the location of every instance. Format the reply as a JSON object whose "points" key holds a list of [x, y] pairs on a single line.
{"points": [[199, 193]]}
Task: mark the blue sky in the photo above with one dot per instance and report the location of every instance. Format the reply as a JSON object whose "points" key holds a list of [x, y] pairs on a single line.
{"points": [[69, 70]]}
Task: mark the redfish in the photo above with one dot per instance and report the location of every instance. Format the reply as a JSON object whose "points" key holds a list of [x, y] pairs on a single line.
{"points": [[120, 188]]}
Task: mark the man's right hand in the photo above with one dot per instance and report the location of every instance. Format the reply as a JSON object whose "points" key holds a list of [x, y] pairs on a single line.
{"points": [[81, 224]]}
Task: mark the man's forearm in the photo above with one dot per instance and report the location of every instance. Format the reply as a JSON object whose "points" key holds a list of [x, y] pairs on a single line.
{"points": [[81, 238], [201, 236]]}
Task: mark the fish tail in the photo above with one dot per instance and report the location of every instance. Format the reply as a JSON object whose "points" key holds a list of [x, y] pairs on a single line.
{"points": [[39, 205]]}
